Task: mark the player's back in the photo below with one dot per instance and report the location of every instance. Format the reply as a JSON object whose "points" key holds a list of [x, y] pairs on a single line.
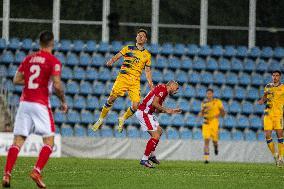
{"points": [[37, 69]]}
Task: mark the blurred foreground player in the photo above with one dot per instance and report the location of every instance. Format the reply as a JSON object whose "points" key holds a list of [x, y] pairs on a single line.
{"points": [[39, 72], [211, 109], [153, 102], [273, 115]]}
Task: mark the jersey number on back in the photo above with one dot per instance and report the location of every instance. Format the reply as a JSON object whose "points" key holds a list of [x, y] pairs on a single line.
{"points": [[35, 70]]}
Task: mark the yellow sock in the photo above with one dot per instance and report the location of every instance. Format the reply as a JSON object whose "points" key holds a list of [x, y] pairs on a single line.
{"points": [[270, 145], [106, 108], [128, 113], [206, 156], [280, 147]]}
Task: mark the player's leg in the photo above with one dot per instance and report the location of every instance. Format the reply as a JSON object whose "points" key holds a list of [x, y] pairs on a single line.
{"points": [[129, 112], [268, 125], [215, 136], [152, 156], [279, 133], [206, 137]]}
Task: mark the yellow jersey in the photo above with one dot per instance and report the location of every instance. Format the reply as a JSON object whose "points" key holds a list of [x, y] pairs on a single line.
{"points": [[275, 100], [135, 60], [211, 109]]}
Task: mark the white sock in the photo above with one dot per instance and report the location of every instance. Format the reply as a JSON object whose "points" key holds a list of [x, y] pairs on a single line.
{"points": [[145, 157], [153, 154]]}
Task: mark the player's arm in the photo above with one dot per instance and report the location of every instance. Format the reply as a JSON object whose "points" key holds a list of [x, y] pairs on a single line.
{"points": [[222, 112], [114, 59], [263, 98], [19, 78], [148, 74], [59, 91], [163, 109], [201, 113]]}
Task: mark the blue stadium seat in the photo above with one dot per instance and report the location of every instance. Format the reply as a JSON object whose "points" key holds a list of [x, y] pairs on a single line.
{"points": [[59, 117], [119, 104], [154, 48], [197, 134], [256, 79], [236, 65], [87, 117], [206, 78], [92, 103], [27, 44], [185, 133], [204, 50], [234, 107], [104, 74], [122, 134], [14, 44], [164, 119], [267, 52], [242, 51], [217, 50], [249, 65], [267, 78], [167, 49], [91, 133], [72, 87], [61, 57], [240, 93], [79, 73], [67, 73], [219, 78], [217, 92], [252, 94], [85, 60], [247, 108], [90, 46], [78, 45], [86, 88], [192, 49], [103, 47], [73, 117], [157, 76], [99, 88], [195, 106], [114, 73], [67, 131], [13, 99], [261, 66], [133, 132], [227, 93], [237, 136], [18, 88], [168, 75], [112, 118], [188, 91], [232, 79], [3, 71], [229, 51], [250, 135], [178, 120], [72, 59], [260, 136], [12, 70], [69, 101], [194, 78], [2, 44], [116, 46], [174, 63], [201, 92], [274, 65], [255, 122], [106, 131], [258, 109], [171, 103], [254, 52], [91, 74], [65, 45], [186, 64], [199, 64], [279, 52], [80, 131], [7, 57], [79, 102], [179, 49], [108, 87], [19, 57], [54, 101], [243, 122], [184, 105], [224, 135], [224, 64], [212, 65], [244, 79], [172, 133], [190, 120], [161, 63], [230, 121], [181, 77]]}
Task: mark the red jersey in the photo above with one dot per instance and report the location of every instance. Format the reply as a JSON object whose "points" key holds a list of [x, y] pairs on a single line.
{"points": [[37, 69], [159, 91]]}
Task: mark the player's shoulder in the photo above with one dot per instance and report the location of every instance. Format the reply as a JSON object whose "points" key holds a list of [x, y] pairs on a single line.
{"points": [[217, 100], [269, 85], [161, 87]]}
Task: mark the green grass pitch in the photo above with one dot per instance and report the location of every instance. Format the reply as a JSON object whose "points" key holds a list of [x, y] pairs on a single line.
{"points": [[82, 173]]}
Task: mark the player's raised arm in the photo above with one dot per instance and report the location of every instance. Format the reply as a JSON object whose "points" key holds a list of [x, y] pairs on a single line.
{"points": [[163, 109], [148, 74], [19, 78], [114, 59], [59, 92]]}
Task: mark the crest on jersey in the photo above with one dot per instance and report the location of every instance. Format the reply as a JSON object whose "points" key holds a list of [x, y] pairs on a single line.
{"points": [[161, 94], [57, 68]]}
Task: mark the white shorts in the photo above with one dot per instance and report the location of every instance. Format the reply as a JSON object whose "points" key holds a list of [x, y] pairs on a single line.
{"points": [[148, 122], [34, 118]]}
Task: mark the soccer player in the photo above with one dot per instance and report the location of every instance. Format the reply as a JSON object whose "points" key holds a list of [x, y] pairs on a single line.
{"points": [[273, 115], [136, 58], [39, 72], [150, 104], [211, 109]]}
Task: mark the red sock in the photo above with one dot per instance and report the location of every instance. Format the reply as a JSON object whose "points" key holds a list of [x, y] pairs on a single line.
{"points": [[11, 158], [43, 157], [154, 148], [150, 146]]}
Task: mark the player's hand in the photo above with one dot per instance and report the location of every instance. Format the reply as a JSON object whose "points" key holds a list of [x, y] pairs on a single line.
{"points": [[64, 107], [109, 63], [151, 86], [174, 111]]}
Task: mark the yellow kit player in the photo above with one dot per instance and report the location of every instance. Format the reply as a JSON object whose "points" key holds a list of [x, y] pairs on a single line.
{"points": [[273, 98], [136, 58], [211, 109]]}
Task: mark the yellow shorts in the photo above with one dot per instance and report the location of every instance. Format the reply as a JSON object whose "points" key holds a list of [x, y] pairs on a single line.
{"points": [[272, 122], [211, 130], [126, 83]]}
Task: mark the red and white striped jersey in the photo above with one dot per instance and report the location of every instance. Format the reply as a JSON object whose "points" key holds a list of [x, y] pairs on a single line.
{"points": [[159, 91]]}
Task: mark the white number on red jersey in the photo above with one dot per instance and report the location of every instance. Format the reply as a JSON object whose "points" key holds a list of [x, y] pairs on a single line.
{"points": [[35, 69]]}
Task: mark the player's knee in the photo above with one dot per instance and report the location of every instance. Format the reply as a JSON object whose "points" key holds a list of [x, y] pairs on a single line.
{"points": [[134, 107], [156, 135], [111, 100]]}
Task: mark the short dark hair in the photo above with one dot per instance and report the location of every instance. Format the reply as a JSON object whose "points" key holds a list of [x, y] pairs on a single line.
{"points": [[45, 37], [142, 30], [210, 89], [276, 71]]}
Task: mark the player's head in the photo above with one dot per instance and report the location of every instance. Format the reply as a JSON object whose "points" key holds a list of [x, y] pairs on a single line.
{"points": [[209, 93], [141, 36], [46, 39], [276, 76], [172, 87]]}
